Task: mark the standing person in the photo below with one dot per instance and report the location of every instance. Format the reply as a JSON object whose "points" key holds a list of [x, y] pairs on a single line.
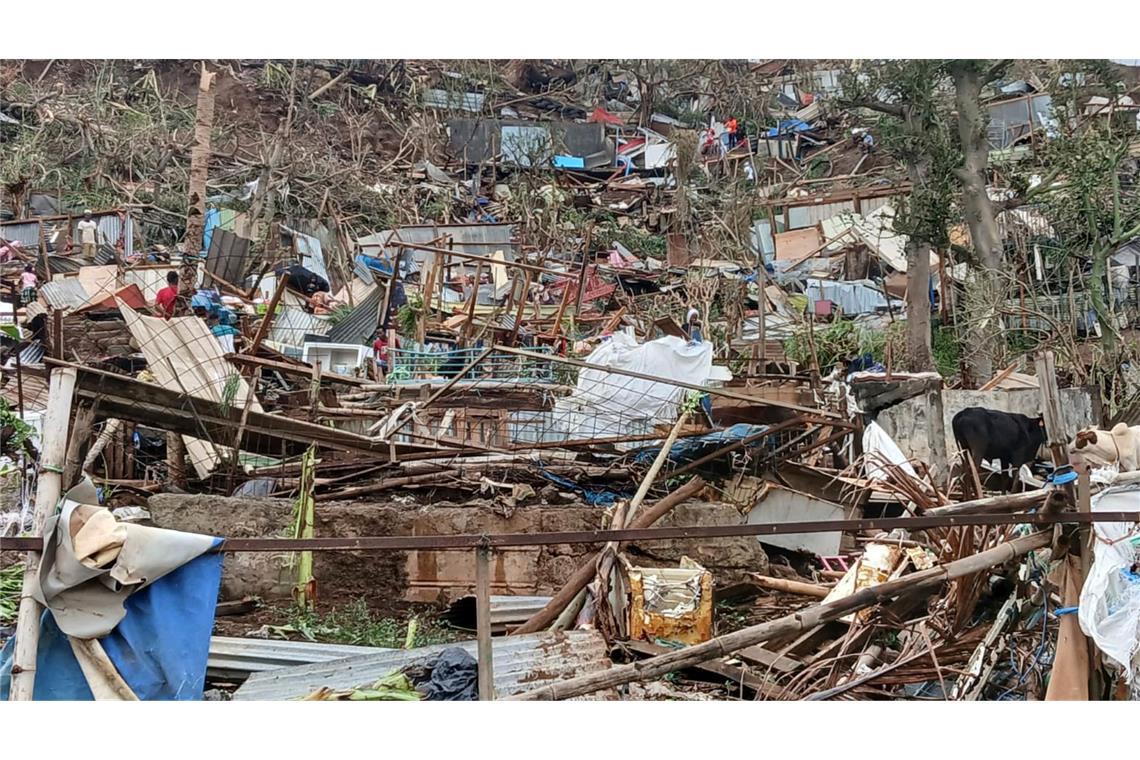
{"points": [[380, 350], [164, 301], [731, 125], [28, 284], [88, 234]]}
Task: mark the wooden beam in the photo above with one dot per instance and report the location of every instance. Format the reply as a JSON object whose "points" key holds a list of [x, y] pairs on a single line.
{"points": [[267, 320], [49, 488], [483, 623]]}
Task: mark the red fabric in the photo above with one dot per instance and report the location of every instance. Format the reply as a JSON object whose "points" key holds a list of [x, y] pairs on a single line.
{"points": [[605, 117], [730, 125], [165, 300]]}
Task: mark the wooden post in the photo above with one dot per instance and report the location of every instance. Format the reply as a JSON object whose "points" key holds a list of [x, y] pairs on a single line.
{"points": [[176, 460], [1051, 407], [522, 305], [80, 431], [49, 488], [483, 623], [19, 385], [267, 320], [582, 274], [315, 391], [471, 305]]}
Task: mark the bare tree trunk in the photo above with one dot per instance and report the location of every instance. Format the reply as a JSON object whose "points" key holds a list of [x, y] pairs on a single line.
{"points": [[979, 211], [200, 163], [919, 353], [984, 331]]}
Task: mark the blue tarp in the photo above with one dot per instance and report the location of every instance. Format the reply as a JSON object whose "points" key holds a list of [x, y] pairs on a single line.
{"points": [[381, 266], [601, 498], [568, 162], [689, 449], [213, 219], [788, 126], [160, 648]]}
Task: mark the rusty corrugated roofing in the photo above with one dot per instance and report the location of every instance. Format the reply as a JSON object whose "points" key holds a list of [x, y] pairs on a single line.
{"points": [[521, 663]]}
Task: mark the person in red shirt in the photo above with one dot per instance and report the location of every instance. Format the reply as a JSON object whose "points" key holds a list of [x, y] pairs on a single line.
{"points": [[164, 301], [730, 126]]}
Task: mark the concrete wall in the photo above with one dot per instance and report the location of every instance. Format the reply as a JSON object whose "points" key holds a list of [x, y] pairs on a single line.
{"points": [[428, 576], [909, 422]]}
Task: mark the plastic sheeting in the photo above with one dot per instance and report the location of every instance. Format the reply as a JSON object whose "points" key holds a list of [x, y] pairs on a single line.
{"points": [[878, 441], [605, 404], [690, 449], [853, 297], [1110, 599], [160, 648]]}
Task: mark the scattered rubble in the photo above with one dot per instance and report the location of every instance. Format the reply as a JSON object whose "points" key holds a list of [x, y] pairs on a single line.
{"points": [[624, 393]]}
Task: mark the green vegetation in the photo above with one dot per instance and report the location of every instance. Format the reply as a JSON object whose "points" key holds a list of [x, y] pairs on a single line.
{"points": [[836, 342], [11, 582], [355, 624], [947, 351]]}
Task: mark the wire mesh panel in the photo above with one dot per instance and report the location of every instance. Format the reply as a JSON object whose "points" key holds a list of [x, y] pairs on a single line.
{"points": [[409, 366]]}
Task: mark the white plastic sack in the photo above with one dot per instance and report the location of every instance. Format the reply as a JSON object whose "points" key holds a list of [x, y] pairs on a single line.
{"points": [[878, 441], [1110, 599], [605, 404]]}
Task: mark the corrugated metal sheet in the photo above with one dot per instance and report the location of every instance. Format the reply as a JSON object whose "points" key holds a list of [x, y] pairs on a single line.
{"points": [[808, 216], [291, 325], [233, 657], [521, 663], [459, 101], [473, 239], [228, 257], [65, 293], [63, 264], [26, 234], [361, 322], [506, 611]]}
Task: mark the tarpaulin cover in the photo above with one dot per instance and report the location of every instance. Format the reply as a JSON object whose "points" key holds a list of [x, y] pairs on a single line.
{"points": [[597, 498], [1110, 598], [605, 404], [160, 648], [789, 125], [689, 449], [878, 441], [454, 677]]}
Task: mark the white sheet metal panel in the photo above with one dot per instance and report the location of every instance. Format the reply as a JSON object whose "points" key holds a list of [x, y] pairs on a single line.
{"points": [[292, 324], [472, 239], [783, 505], [184, 356]]}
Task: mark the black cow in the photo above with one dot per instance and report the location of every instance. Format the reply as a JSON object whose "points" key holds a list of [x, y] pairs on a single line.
{"points": [[1012, 439]]}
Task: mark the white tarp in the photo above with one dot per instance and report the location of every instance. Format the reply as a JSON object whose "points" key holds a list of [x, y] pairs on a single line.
{"points": [[606, 404], [1110, 598], [878, 441]]}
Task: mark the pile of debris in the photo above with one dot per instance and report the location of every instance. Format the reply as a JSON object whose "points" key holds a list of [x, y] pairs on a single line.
{"points": [[614, 444]]}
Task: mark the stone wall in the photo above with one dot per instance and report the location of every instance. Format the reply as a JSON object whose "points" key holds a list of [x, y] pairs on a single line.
{"points": [[428, 576], [909, 421]]}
